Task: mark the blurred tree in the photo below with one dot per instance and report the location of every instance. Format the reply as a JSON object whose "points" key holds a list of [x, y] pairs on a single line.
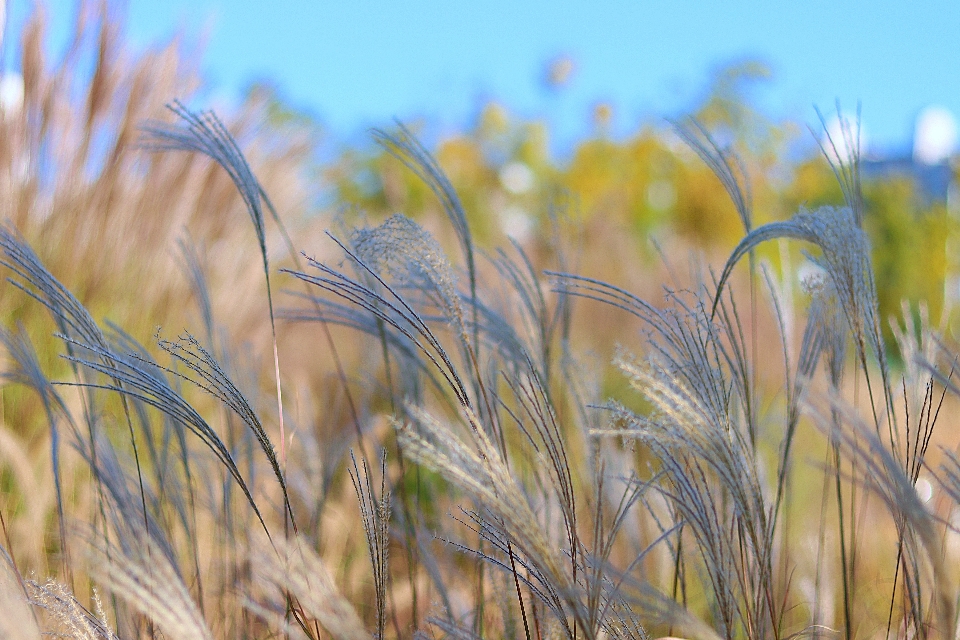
{"points": [[909, 247]]}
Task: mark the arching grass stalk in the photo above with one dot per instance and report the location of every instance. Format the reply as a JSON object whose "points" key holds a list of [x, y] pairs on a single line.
{"points": [[205, 133]]}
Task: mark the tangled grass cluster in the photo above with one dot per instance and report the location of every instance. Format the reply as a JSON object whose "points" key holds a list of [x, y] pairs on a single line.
{"points": [[758, 481]]}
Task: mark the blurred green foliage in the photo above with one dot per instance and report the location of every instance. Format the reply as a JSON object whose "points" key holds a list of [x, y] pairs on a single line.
{"points": [[649, 183]]}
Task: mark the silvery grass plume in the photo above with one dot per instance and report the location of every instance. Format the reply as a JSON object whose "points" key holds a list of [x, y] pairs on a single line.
{"points": [[404, 292], [25, 369], [401, 250], [611, 609], [175, 489], [375, 515], [404, 286], [128, 370], [845, 260], [405, 283], [388, 305], [210, 377], [705, 351], [846, 288], [826, 338], [929, 608], [571, 477], [76, 326], [726, 165], [33, 278], [124, 511], [711, 479], [506, 519], [206, 134], [72, 319], [399, 351], [849, 285], [704, 427], [63, 615], [294, 567], [137, 560], [407, 149], [132, 375], [699, 429], [139, 570], [846, 171]]}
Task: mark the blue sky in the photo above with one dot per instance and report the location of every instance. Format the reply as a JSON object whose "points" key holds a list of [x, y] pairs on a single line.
{"points": [[361, 63]]}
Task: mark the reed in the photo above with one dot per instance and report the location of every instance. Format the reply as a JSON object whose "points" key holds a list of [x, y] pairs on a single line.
{"points": [[442, 460]]}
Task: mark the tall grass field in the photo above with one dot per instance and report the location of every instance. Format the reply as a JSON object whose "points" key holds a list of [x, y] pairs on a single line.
{"points": [[229, 411]]}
